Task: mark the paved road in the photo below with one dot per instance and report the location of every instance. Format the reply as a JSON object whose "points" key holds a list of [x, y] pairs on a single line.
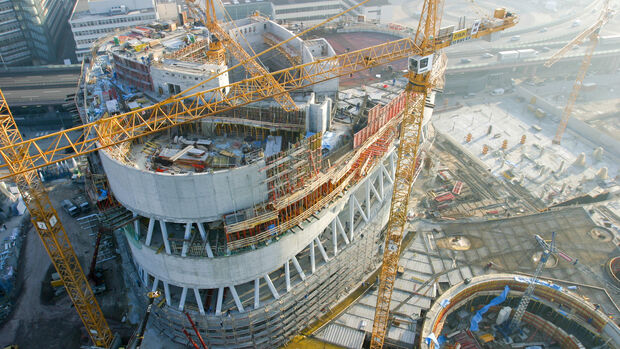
{"points": [[38, 85]]}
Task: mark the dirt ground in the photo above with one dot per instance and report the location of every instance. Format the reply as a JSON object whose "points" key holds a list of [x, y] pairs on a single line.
{"points": [[38, 322]]}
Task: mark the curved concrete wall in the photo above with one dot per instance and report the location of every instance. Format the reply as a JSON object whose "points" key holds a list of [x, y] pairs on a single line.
{"points": [[188, 197], [197, 272], [211, 273], [460, 293]]}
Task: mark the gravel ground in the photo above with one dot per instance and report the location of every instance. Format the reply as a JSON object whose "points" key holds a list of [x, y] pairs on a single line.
{"points": [[55, 324]]}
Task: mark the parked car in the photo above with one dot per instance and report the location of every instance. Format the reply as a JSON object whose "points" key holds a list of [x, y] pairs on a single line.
{"points": [[71, 209], [82, 203]]}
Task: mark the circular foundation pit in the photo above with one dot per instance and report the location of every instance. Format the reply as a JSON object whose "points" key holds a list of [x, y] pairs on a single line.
{"points": [[613, 268], [600, 234]]}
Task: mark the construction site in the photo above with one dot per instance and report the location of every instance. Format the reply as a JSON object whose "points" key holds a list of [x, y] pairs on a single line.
{"points": [[442, 182]]}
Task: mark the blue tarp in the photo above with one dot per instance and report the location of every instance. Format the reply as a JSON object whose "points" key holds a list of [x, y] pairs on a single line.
{"points": [[439, 341], [103, 194], [495, 301]]}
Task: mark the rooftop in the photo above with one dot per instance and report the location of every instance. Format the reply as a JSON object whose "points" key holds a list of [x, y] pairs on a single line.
{"points": [[83, 10], [148, 42]]}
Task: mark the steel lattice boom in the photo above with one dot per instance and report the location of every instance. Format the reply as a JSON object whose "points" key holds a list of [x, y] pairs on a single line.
{"points": [[590, 33], [114, 130], [22, 157], [421, 79], [52, 233], [117, 129], [409, 142], [252, 66]]}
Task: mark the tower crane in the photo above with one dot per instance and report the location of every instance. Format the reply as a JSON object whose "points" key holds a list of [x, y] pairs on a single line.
{"points": [[420, 84], [590, 33], [252, 66], [22, 157], [548, 249]]}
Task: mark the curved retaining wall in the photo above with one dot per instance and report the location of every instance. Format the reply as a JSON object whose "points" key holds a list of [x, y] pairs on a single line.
{"points": [[494, 283], [183, 198]]}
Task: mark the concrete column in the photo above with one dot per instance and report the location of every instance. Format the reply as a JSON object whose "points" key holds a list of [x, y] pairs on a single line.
{"points": [[351, 216], [182, 301], [256, 293], [145, 278], [167, 294], [359, 207], [367, 199], [321, 249], [272, 288], [387, 174], [343, 233], [164, 236], [334, 236], [298, 267], [236, 298], [201, 307], [201, 229], [220, 298], [204, 237], [186, 237], [136, 226], [312, 259], [287, 276], [381, 185], [155, 284], [149, 232], [374, 190]]}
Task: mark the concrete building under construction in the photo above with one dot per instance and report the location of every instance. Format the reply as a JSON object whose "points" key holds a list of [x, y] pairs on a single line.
{"points": [[258, 220]]}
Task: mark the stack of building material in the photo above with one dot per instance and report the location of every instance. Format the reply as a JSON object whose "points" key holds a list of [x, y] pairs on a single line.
{"points": [[188, 156]]}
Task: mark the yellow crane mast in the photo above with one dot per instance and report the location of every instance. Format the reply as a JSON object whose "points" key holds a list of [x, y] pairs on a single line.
{"points": [[591, 33], [22, 157], [252, 66], [417, 90], [51, 231], [185, 108]]}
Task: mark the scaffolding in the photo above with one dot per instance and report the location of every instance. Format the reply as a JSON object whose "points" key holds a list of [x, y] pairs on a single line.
{"points": [[299, 187]]}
